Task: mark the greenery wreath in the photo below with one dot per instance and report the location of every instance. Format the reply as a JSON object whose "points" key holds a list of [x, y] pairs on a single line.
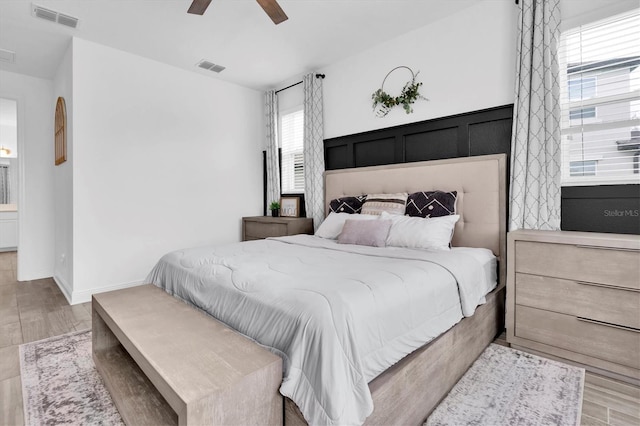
{"points": [[383, 102]]}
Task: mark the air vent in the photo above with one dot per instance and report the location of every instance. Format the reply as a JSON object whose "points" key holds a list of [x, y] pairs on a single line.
{"points": [[210, 66], [42, 13], [53, 16], [7, 56], [67, 20]]}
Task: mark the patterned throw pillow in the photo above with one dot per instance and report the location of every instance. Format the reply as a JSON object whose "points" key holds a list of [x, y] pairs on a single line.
{"points": [[390, 203], [347, 204], [431, 203]]}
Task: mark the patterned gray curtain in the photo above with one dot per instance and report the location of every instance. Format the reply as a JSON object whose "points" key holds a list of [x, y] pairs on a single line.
{"points": [[313, 149], [535, 143], [273, 168], [5, 186]]}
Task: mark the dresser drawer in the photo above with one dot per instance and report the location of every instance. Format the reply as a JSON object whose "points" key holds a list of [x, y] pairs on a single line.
{"points": [[258, 230], [578, 299], [592, 264], [605, 342]]}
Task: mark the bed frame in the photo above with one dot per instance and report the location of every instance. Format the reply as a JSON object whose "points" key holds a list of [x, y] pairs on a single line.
{"points": [[407, 392]]}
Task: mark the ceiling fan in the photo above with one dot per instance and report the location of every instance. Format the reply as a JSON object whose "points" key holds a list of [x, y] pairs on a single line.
{"points": [[271, 7]]}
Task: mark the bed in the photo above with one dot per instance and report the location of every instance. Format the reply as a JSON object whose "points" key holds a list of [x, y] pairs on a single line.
{"points": [[348, 304]]}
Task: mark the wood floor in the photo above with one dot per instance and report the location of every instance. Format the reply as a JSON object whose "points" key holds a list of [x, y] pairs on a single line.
{"points": [[34, 310], [29, 311]]}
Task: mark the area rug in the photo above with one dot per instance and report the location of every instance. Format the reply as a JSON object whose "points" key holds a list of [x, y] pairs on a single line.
{"points": [[509, 387], [60, 383]]}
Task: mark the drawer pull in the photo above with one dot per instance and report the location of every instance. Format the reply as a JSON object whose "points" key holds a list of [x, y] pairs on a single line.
{"points": [[613, 287], [622, 327], [608, 248]]}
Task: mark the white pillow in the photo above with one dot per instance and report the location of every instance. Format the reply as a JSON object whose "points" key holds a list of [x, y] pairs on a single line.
{"points": [[332, 225], [423, 233]]}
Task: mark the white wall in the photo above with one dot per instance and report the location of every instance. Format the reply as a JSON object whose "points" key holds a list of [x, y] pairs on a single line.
{"points": [[35, 201], [291, 98], [466, 62], [63, 181], [162, 159]]}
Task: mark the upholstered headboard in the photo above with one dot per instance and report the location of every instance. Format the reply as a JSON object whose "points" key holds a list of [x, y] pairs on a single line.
{"points": [[480, 182]]}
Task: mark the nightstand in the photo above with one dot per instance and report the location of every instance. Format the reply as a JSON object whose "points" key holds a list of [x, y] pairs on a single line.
{"points": [[259, 227], [576, 296]]}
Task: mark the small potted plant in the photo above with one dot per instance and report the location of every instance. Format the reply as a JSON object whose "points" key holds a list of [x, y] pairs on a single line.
{"points": [[275, 208]]}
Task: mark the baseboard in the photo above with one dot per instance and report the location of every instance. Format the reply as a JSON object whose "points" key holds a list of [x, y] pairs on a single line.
{"points": [[85, 295], [33, 275], [29, 275], [64, 287]]}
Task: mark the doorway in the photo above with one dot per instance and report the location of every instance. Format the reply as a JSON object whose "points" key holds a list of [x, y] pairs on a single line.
{"points": [[8, 174]]}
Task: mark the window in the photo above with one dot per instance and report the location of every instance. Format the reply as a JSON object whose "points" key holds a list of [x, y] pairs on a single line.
{"points": [[291, 137], [582, 88], [600, 101], [582, 168], [582, 113]]}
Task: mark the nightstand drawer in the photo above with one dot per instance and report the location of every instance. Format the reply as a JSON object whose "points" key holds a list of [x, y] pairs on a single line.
{"points": [[574, 298], [609, 343], [259, 227], [592, 264], [258, 230]]}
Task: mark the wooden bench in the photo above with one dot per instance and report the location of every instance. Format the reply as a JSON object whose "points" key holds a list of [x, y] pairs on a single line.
{"points": [[165, 362]]}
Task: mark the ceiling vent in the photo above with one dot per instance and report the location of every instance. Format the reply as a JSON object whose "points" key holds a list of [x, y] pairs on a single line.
{"points": [[53, 16], [210, 66], [7, 56]]}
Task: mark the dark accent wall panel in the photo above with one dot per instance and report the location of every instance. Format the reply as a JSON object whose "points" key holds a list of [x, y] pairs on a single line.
{"points": [[475, 133], [431, 145], [338, 156], [374, 152], [490, 137], [603, 208]]}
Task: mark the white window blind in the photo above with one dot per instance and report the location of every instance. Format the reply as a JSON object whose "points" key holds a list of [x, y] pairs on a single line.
{"points": [[600, 101], [291, 126]]}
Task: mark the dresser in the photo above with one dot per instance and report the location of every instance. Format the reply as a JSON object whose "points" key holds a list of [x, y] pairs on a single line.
{"points": [[258, 227], [576, 296]]}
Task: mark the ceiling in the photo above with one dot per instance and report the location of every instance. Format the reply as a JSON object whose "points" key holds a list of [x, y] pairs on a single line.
{"points": [[236, 34]]}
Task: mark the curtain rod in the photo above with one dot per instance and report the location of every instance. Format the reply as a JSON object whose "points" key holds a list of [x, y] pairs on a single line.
{"points": [[300, 82]]}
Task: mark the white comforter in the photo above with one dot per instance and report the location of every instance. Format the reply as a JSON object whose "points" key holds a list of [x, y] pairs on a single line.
{"points": [[338, 315]]}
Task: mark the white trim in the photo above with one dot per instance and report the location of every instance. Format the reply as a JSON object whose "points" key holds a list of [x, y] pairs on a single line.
{"points": [[85, 295], [36, 275], [20, 118], [599, 180], [64, 287], [22, 207]]}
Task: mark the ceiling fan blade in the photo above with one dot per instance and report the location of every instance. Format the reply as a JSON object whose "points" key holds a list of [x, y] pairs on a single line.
{"points": [[273, 9], [198, 6]]}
